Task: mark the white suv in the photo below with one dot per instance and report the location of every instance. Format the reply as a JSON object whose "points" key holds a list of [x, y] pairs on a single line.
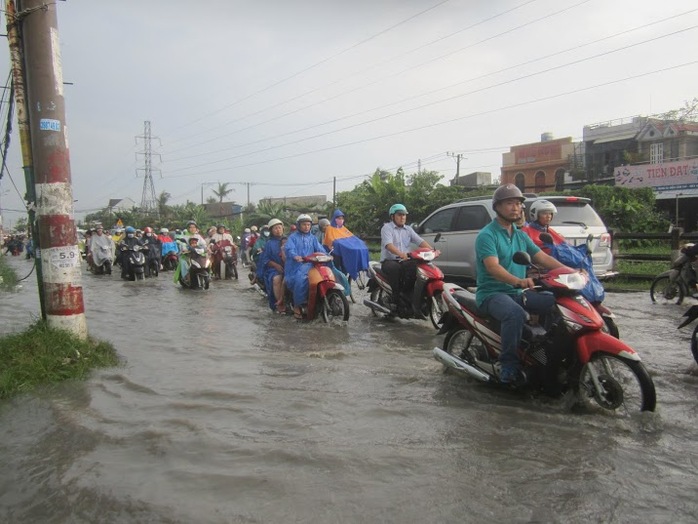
{"points": [[460, 222]]}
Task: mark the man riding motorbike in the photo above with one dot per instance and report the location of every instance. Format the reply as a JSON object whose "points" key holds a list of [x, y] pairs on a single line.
{"points": [[500, 281], [152, 242], [399, 269], [300, 244], [102, 250], [127, 243]]}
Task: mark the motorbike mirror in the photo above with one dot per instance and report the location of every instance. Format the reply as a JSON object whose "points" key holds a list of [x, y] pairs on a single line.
{"points": [[437, 237], [546, 238], [522, 258]]}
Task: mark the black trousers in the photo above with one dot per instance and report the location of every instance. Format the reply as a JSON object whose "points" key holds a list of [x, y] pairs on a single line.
{"points": [[401, 275]]}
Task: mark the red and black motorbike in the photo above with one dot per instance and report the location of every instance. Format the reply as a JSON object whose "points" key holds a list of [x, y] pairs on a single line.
{"points": [[567, 350], [326, 297], [225, 260], [425, 301]]}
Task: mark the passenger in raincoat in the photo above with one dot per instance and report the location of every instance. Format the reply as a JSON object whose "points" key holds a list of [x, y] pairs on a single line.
{"points": [[300, 244], [271, 265]]}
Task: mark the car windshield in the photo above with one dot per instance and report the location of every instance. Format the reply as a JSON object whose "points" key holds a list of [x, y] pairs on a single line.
{"points": [[575, 212]]}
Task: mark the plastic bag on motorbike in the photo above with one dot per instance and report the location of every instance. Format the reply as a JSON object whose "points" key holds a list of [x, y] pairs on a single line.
{"points": [[578, 257]]}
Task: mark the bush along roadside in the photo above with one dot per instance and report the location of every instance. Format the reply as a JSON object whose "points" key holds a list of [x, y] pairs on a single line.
{"points": [[41, 356], [8, 278]]}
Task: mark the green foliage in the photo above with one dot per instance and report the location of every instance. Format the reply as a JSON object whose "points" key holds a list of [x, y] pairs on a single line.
{"points": [[8, 277], [42, 355], [366, 206], [21, 225], [625, 209]]}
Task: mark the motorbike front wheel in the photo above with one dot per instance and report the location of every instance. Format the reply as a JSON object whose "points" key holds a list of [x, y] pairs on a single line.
{"points": [[622, 384], [664, 291], [377, 297], [694, 344], [335, 306], [463, 344], [436, 309], [139, 276]]}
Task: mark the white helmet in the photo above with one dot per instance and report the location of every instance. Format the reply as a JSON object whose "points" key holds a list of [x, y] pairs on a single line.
{"points": [[164, 230], [304, 218], [247, 230], [273, 222], [540, 206]]}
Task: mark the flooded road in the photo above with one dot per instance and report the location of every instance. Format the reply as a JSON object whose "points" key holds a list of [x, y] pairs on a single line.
{"points": [[223, 412]]}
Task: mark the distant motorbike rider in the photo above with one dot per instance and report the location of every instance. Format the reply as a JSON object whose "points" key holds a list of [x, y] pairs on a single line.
{"points": [[220, 235], [300, 244], [152, 242], [164, 235], [258, 246], [398, 268], [102, 248], [127, 243], [500, 281], [244, 242], [271, 266]]}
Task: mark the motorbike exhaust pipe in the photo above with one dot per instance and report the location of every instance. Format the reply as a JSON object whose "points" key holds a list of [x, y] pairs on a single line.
{"points": [[453, 362], [376, 306]]}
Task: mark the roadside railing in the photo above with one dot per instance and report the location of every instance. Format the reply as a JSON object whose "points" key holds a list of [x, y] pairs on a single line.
{"points": [[673, 241]]}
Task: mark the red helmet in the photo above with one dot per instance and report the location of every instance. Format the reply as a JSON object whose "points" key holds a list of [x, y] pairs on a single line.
{"points": [[147, 229]]}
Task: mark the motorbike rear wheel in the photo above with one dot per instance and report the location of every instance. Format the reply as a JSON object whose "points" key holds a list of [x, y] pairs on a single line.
{"points": [[664, 291], [436, 309], [377, 297], [625, 384], [139, 276], [334, 306]]}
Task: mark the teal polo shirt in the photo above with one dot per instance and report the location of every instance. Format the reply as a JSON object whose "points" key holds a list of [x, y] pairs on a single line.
{"points": [[494, 241]]}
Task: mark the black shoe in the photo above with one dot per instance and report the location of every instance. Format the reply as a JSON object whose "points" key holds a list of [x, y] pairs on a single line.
{"points": [[513, 379]]}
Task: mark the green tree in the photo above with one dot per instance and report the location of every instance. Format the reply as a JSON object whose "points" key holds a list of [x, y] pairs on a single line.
{"points": [[222, 191], [21, 225]]}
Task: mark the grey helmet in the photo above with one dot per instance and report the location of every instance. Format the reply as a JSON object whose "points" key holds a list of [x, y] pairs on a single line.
{"points": [[506, 192]]}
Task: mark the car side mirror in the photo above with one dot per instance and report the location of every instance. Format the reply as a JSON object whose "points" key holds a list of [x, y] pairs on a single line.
{"points": [[416, 228]]}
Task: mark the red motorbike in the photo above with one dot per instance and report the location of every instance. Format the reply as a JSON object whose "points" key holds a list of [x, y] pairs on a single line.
{"points": [[326, 297], [426, 296], [225, 259], [565, 351]]}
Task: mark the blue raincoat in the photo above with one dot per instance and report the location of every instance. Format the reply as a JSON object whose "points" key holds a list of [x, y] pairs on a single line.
{"points": [[300, 244], [266, 273]]}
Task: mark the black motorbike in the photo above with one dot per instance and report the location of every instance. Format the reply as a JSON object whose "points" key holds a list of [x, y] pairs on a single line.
{"points": [[678, 282], [134, 260]]}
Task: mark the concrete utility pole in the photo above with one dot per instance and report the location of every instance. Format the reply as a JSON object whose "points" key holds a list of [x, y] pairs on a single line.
{"points": [[58, 251], [15, 43], [457, 156]]}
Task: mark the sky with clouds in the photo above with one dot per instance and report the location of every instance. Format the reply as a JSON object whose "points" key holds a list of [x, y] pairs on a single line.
{"points": [[283, 97]]}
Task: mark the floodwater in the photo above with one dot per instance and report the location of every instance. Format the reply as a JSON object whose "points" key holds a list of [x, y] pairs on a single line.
{"points": [[223, 412]]}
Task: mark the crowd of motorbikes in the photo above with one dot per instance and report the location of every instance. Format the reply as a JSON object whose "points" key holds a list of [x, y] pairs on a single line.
{"points": [[576, 349]]}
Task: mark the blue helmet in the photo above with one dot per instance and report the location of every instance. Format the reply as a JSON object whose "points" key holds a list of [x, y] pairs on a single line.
{"points": [[130, 229], [397, 208]]}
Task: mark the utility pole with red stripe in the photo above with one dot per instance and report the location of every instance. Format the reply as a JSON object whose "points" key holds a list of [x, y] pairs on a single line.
{"points": [[57, 251]]}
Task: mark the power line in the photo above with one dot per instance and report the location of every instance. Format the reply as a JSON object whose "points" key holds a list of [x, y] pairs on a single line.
{"points": [[324, 60], [433, 91], [342, 79], [485, 88], [451, 120]]}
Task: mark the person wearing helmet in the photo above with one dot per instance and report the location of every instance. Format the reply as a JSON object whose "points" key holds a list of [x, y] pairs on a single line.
{"points": [[220, 234], [193, 230], [164, 236], [300, 244], [152, 242], [127, 243], [270, 268], [244, 243], [258, 247], [541, 214], [399, 269], [101, 248], [500, 281], [322, 226]]}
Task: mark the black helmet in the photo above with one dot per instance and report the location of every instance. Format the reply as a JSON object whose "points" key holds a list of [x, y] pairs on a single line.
{"points": [[506, 192]]}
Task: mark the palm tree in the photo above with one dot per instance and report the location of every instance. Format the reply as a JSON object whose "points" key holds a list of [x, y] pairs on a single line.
{"points": [[222, 191]]}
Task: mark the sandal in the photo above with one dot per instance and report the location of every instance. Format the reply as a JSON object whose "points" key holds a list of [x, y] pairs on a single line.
{"points": [[297, 314]]}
